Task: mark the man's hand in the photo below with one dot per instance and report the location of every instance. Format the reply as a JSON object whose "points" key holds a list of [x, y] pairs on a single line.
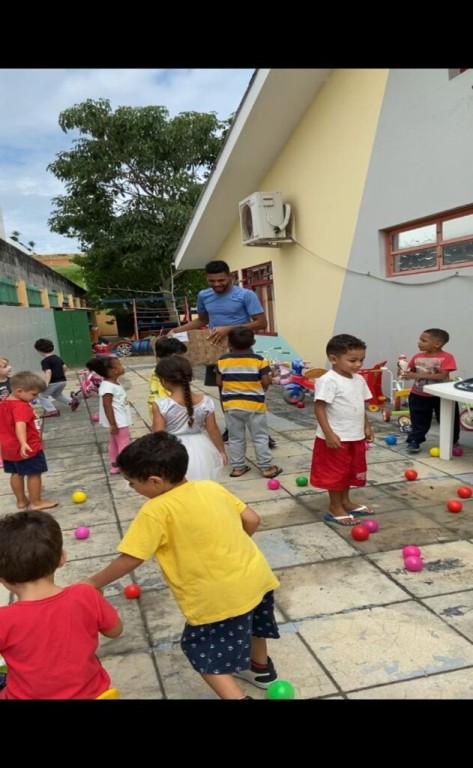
{"points": [[219, 334]]}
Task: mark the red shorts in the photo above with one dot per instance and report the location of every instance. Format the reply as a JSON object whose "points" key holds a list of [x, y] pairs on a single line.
{"points": [[335, 469]]}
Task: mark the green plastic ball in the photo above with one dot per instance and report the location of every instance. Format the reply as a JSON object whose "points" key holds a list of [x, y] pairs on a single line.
{"points": [[280, 689], [301, 480]]}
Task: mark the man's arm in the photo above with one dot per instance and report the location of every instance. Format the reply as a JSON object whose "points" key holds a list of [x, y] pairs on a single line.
{"points": [[199, 322], [257, 323]]}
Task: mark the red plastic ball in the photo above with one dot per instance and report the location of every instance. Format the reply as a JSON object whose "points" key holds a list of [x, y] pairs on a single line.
{"points": [[360, 532], [464, 492], [457, 450], [301, 404], [454, 506], [132, 591], [410, 474]]}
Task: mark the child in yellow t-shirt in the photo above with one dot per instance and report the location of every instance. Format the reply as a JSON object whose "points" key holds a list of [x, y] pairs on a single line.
{"points": [[165, 347], [200, 534]]}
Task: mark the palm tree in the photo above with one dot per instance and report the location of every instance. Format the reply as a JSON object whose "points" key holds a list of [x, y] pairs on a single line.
{"points": [[15, 236]]}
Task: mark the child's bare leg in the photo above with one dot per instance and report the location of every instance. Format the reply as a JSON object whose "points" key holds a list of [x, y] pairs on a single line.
{"points": [[335, 506], [34, 491], [225, 686], [259, 650], [17, 483], [350, 505]]}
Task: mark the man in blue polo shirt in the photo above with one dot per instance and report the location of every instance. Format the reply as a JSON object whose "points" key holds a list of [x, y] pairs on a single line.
{"points": [[222, 306]]}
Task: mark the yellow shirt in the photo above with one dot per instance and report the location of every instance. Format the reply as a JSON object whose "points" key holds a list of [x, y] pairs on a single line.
{"points": [[156, 390], [213, 568]]}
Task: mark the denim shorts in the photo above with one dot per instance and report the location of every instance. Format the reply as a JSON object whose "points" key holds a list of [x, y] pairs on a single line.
{"points": [[225, 646], [36, 465]]}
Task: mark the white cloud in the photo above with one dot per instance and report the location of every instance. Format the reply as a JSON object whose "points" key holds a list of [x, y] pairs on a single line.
{"points": [[31, 101]]}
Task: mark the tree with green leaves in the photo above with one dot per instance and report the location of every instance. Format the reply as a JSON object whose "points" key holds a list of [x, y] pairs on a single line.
{"points": [[132, 180]]}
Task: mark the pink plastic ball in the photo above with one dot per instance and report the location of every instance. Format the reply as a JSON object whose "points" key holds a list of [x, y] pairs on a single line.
{"points": [[457, 450], [273, 484], [413, 563], [95, 417], [82, 532], [372, 525], [411, 551]]}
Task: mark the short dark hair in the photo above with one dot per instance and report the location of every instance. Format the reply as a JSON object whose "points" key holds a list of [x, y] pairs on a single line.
{"points": [[241, 338], [160, 454], [101, 365], [168, 346], [214, 267], [342, 343], [30, 546], [27, 381], [439, 334], [44, 345]]}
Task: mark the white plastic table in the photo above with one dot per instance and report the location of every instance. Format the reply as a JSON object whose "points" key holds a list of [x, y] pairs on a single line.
{"points": [[448, 396]]}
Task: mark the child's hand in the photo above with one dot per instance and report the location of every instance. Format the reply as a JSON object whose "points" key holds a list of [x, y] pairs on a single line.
{"points": [[224, 458], [369, 436], [24, 450], [114, 430], [332, 440]]}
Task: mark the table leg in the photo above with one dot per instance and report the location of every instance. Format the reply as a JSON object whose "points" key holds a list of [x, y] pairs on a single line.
{"points": [[446, 428]]}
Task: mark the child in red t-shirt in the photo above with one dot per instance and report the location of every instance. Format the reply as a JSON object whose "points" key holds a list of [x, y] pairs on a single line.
{"points": [[428, 366], [50, 634], [20, 438]]}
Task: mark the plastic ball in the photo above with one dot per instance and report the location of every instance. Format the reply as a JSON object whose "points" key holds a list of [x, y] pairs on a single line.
{"points": [[79, 496], [132, 591], [410, 474], [457, 450], [300, 404], [360, 532], [302, 481], [280, 689], [371, 525], [454, 506], [82, 532], [367, 445], [391, 439], [411, 551], [413, 563], [464, 492], [435, 452], [95, 417], [273, 484]]}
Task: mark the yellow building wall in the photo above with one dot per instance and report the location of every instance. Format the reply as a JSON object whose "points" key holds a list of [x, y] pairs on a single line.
{"points": [[321, 172], [106, 324]]}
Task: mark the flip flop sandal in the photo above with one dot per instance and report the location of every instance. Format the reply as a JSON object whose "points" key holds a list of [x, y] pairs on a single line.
{"points": [[338, 520], [362, 511], [239, 471], [274, 473]]}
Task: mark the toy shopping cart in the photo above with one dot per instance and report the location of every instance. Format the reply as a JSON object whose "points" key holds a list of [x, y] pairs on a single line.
{"points": [[373, 378]]}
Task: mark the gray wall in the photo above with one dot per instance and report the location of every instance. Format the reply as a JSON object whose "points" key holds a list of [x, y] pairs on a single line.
{"points": [[19, 329], [421, 165], [17, 265]]}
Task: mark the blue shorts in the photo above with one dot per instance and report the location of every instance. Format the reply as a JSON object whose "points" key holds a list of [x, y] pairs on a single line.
{"points": [[36, 465], [225, 646]]}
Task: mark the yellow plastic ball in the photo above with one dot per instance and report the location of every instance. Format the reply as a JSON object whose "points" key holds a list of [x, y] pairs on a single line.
{"points": [[79, 496], [435, 452]]}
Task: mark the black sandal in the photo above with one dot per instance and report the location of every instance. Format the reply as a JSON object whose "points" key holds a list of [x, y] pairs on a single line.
{"points": [[239, 471]]}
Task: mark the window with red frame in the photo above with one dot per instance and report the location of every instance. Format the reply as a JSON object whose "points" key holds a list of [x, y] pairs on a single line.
{"points": [[260, 280], [428, 245]]}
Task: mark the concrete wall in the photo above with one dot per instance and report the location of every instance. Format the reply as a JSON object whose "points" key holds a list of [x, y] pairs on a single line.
{"points": [[421, 165], [17, 265], [19, 329]]}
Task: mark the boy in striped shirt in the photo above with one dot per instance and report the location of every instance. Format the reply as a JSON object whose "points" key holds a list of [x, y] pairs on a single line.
{"points": [[244, 377]]}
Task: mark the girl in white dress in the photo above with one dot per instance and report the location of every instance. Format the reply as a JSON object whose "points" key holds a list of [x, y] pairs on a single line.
{"points": [[191, 417]]}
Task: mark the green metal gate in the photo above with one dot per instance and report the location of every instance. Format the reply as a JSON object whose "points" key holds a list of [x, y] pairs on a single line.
{"points": [[73, 336]]}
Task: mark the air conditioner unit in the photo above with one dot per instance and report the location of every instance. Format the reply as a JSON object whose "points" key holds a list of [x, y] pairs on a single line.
{"points": [[264, 218]]}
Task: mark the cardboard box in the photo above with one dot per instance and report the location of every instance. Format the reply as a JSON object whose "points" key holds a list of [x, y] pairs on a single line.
{"points": [[200, 351]]}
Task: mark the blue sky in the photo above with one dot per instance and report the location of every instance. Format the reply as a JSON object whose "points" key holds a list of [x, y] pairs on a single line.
{"points": [[31, 101]]}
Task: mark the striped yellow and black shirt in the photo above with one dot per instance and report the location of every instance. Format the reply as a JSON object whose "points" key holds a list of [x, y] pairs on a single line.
{"points": [[241, 381]]}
